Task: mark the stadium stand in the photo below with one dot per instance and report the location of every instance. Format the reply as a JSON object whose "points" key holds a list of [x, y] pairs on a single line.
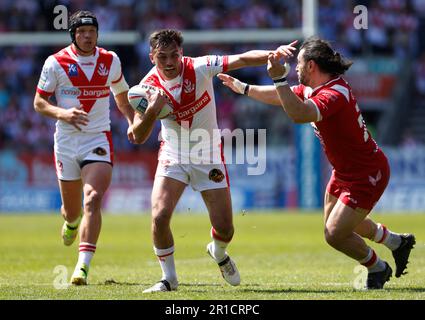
{"points": [[393, 31]]}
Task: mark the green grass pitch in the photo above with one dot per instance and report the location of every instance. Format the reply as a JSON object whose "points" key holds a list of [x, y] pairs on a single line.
{"points": [[279, 255]]}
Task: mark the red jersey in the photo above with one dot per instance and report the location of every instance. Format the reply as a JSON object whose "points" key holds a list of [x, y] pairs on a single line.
{"points": [[341, 129]]}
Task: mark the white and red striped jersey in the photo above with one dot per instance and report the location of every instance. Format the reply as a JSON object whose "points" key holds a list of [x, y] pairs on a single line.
{"points": [[83, 80], [192, 132]]}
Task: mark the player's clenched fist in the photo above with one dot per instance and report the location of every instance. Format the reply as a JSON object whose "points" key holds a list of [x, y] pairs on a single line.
{"points": [[157, 99]]}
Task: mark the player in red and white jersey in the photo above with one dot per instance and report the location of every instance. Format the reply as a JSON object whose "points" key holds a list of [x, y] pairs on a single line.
{"points": [[187, 83], [81, 77], [192, 95], [360, 169]]}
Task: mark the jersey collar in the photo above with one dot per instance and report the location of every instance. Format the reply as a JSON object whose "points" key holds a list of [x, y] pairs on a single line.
{"points": [[75, 53], [325, 84]]}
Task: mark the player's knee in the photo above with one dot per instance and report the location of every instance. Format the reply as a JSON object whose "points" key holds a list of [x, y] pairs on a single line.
{"points": [[161, 215], [333, 236], [161, 218], [92, 197]]}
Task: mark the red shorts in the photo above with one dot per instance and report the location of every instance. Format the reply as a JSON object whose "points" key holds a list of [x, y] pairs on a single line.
{"points": [[362, 192]]}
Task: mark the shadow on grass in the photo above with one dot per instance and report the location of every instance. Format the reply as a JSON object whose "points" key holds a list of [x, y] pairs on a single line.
{"points": [[112, 282], [408, 289], [196, 287], [339, 290], [291, 290], [207, 287]]}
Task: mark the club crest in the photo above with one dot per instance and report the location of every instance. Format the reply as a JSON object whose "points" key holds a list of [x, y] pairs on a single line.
{"points": [[188, 86], [216, 175], [102, 70], [99, 151]]}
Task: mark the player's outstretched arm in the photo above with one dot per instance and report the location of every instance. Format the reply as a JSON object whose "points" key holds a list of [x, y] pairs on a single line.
{"points": [[75, 116], [297, 110], [258, 57], [143, 123], [264, 94]]}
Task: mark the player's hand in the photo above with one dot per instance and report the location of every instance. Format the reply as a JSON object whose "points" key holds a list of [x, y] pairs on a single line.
{"points": [[75, 116], [137, 121], [233, 83], [130, 134], [286, 52], [157, 99], [275, 69]]}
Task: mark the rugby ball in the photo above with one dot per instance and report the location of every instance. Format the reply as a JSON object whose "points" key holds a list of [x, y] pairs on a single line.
{"points": [[137, 96]]}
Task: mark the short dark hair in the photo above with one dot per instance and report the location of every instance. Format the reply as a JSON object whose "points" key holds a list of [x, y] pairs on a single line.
{"points": [[165, 38], [328, 60]]}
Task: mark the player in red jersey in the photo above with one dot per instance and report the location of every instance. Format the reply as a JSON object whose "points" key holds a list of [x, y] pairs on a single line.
{"points": [[360, 169], [81, 77]]}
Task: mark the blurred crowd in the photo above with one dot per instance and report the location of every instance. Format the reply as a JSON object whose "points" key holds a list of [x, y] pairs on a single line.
{"points": [[394, 29]]}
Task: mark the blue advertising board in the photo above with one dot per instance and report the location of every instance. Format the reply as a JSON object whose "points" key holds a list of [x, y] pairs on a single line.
{"points": [[308, 167]]}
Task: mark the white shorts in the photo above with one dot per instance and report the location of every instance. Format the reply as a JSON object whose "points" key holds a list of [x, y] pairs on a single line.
{"points": [[200, 177], [73, 151]]}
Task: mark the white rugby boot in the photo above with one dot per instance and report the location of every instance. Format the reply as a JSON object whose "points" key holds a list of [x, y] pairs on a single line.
{"points": [[228, 268]]}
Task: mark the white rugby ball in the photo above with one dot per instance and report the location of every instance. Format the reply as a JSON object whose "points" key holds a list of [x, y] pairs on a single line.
{"points": [[137, 96]]}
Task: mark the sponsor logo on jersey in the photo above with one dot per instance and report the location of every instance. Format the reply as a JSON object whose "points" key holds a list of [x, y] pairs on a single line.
{"points": [[188, 86], [94, 93], [84, 92], [216, 175], [102, 70], [72, 70], [43, 79], [69, 92], [188, 111], [87, 63], [175, 87], [150, 81]]}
